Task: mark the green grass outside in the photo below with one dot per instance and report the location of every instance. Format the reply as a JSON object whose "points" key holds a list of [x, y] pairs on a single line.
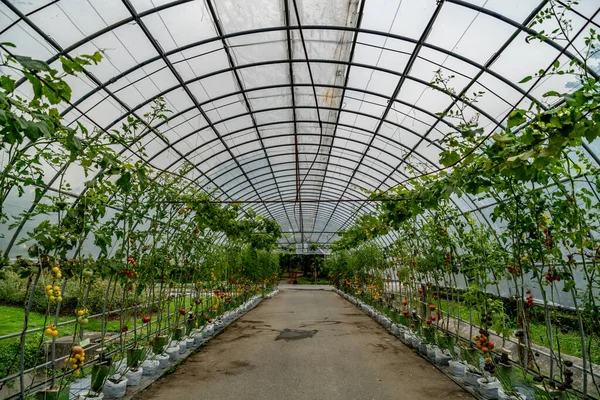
{"points": [[11, 319], [303, 280], [570, 342]]}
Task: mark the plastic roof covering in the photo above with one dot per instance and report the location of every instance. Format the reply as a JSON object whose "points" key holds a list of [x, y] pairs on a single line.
{"points": [[295, 106]]}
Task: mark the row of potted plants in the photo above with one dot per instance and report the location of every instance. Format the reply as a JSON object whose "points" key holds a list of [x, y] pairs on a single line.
{"points": [[168, 254]]}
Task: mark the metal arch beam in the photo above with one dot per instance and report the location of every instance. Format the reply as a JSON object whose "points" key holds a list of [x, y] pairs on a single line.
{"points": [[529, 18], [285, 145], [526, 29], [219, 30], [384, 163], [403, 77], [63, 169], [343, 96], [182, 83], [332, 199], [186, 1], [317, 61], [345, 211], [487, 65], [365, 187], [333, 186], [282, 108], [338, 219], [286, 13], [274, 29]]}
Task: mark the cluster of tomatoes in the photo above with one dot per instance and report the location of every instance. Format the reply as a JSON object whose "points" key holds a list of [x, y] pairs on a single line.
{"points": [[57, 273], [54, 294], [432, 317], [529, 298], [77, 359], [513, 270], [483, 341], [447, 259], [82, 317], [552, 276], [51, 331], [132, 273]]}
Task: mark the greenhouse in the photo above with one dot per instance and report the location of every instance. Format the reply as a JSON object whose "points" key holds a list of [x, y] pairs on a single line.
{"points": [[303, 199]]}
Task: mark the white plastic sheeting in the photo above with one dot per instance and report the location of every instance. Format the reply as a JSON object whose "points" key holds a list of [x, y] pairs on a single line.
{"points": [[261, 134]]}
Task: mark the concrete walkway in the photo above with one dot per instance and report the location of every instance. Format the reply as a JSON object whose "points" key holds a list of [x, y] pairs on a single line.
{"points": [[305, 343]]}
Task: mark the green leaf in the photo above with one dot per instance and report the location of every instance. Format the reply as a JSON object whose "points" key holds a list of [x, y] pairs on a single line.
{"points": [[124, 182], [449, 157], [31, 64], [516, 118], [36, 84], [7, 83], [36, 130], [526, 79]]}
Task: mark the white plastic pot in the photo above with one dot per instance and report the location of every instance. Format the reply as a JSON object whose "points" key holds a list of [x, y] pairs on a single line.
{"points": [[134, 377], [472, 378], [198, 337], [189, 342], [173, 353], [488, 387], [457, 368], [442, 357], [91, 395], [116, 390], [163, 360], [423, 348], [502, 395], [182, 346], [150, 367], [415, 342], [430, 348]]}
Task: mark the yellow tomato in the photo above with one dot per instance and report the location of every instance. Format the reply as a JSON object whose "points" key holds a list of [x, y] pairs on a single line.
{"points": [[56, 288], [51, 298], [56, 270], [80, 313], [48, 331], [54, 333], [48, 287]]}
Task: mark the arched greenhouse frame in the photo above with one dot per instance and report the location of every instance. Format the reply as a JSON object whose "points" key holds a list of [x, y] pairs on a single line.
{"points": [[436, 162]]}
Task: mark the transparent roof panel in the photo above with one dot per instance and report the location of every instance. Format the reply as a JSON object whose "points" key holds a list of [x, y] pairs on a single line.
{"points": [[301, 103]]}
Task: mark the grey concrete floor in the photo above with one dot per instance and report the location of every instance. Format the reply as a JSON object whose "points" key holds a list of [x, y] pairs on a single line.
{"points": [[305, 344]]}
